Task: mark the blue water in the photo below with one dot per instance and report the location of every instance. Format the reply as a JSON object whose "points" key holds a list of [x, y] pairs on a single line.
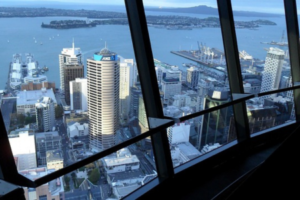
{"points": [[21, 31]]}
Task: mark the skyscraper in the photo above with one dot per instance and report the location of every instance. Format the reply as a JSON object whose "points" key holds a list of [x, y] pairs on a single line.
{"points": [[126, 81], [192, 77], [103, 72], [78, 94], [272, 71], [71, 67], [45, 114], [215, 124], [171, 82]]}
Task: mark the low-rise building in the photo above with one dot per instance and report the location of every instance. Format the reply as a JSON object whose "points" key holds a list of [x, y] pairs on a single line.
{"points": [[45, 142], [27, 99], [54, 159], [23, 148], [77, 129], [53, 190], [121, 162]]}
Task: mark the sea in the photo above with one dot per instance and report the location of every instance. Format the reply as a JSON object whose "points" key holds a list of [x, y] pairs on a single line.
{"points": [[18, 35]]}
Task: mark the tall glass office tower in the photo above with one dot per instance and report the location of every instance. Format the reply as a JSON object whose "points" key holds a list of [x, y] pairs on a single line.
{"points": [[103, 72]]}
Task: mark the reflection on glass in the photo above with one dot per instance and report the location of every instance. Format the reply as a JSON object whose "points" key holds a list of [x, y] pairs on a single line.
{"points": [[263, 46], [113, 176], [188, 54], [71, 89], [195, 137], [270, 111]]}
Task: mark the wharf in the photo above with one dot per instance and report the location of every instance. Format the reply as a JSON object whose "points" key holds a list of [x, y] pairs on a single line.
{"points": [[189, 55]]}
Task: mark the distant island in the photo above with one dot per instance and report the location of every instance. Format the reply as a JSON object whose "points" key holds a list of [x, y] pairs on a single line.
{"points": [[166, 22], [206, 10], [170, 22]]}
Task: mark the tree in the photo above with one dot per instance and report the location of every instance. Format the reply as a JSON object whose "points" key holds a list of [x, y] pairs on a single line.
{"points": [[94, 176], [58, 111]]}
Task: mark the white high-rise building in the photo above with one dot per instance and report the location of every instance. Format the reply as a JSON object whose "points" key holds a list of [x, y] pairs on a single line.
{"points": [[126, 81], [78, 94], [103, 74], [272, 71], [45, 114], [23, 148], [192, 77], [68, 56]]}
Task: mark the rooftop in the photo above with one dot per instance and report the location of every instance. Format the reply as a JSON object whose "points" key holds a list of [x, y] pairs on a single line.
{"points": [[54, 155], [121, 160], [121, 176], [188, 150], [31, 97]]}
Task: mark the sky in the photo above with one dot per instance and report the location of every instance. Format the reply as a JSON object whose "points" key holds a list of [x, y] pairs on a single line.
{"points": [[269, 6]]}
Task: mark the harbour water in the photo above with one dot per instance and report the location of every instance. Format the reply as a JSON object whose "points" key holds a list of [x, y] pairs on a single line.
{"points": [[18, 35]]}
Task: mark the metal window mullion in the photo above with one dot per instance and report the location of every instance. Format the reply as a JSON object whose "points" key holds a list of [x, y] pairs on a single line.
{"points": [[293, 41], [145, 64], [233, 67]]}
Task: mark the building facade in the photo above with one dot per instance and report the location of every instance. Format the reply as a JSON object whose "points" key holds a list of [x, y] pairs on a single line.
{"points": [[78, 94], [70, 67], [215, 125], [171, 82], [126, 81], [45, 114], [272, 71], [192, 77], [103, 72], [23, 148]]}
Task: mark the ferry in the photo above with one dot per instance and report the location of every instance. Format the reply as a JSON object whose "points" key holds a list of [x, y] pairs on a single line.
{"points": [[15, 79], [33, 72], [24, 72], [245, 56]]}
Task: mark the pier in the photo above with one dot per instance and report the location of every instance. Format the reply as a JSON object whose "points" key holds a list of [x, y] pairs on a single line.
{"points": [[191, 56]]}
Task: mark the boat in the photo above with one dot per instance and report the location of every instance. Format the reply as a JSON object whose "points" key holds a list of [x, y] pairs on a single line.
{"points": [[244, 55], [24, 72], [15, 77], [45, 68], [41, 43]]}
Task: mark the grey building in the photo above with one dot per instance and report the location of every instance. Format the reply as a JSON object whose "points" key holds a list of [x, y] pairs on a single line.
{"points": [[45, 114], [45, 142], [71, 67]]}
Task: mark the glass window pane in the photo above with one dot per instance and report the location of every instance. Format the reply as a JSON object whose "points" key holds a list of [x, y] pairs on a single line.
{"points": [[188, 53], [198, 136], [114, 176], [263, 46], [70, 87], [277, 109]]}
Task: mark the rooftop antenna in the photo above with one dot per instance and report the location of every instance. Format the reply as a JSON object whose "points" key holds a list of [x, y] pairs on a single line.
{"points": [[105, 45], [73, 45]]}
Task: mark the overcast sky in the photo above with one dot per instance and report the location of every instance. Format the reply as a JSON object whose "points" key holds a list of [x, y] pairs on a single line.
{"points": [[270, 6]]}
